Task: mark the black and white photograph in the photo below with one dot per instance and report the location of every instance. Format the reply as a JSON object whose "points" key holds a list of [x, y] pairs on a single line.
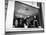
{"points": [[24, 16]]}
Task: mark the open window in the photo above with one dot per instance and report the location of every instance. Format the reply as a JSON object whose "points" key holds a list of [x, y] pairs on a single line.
{"points": [[23, 16]]}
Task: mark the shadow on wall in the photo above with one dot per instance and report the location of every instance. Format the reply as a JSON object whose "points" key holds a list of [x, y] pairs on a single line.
{"points": [[13, 34]]}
